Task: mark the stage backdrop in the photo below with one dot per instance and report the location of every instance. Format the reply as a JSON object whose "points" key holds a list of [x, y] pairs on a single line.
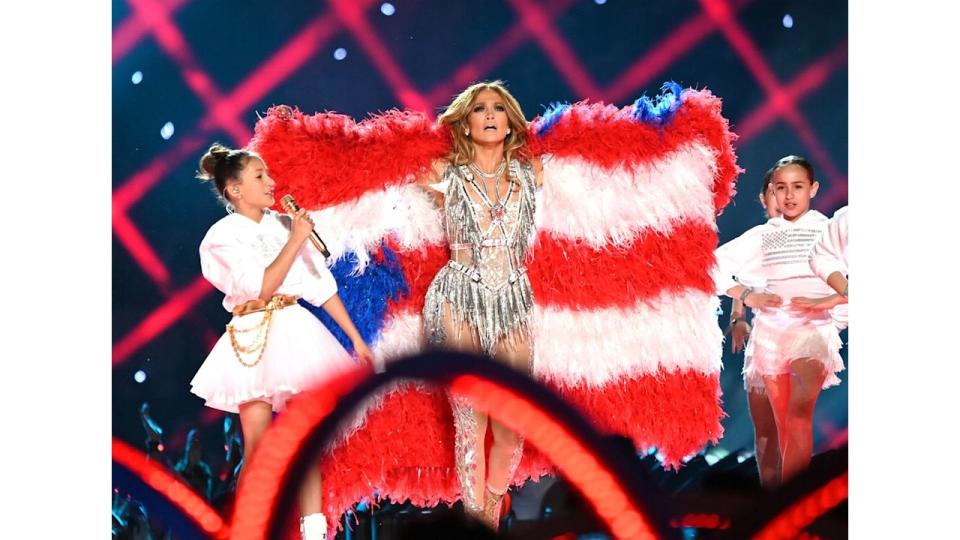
{"points": [[188, 73]]}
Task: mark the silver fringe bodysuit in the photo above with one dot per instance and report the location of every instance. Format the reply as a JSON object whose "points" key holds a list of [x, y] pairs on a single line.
{"points": [[485, 285]]}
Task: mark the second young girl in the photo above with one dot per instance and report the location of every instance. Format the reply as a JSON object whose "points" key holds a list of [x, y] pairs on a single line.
{"points": [[793, 354]]}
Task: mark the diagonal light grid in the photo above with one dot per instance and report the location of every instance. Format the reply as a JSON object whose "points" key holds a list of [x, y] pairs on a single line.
{"points": [[155, 19], [352, 16], [811, 78], [535, 21], [515, 36], [492, 56], [277, 68], [283, 63], [680, 41], [540, 25], [753, 59], [129, 33], [171, 40]]}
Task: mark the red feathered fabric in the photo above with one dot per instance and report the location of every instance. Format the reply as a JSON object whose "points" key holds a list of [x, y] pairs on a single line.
{"points": [[404, 449]]}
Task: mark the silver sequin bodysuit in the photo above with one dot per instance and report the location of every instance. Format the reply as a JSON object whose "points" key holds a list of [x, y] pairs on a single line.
{"points": [[484, 283]]}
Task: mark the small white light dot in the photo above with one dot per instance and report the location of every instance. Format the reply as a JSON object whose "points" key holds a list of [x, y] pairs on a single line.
{"points": [[340, 53], [137, 77], [787, 21], [167, 130], [140, 376], [387, 9]]}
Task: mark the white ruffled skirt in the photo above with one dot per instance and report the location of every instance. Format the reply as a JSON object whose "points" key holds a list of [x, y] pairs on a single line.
{"points": [[781, 336], [299, 354]]}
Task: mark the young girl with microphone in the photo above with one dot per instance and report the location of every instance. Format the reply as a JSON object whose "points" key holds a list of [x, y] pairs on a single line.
{"points": [[273, 347]]}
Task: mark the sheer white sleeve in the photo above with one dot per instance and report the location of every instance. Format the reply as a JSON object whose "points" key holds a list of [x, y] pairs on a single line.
{"points": [[738, 262], [829, 255]]}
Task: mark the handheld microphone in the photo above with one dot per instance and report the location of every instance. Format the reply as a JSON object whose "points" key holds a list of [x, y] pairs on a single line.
{"points": [[291, 206]]}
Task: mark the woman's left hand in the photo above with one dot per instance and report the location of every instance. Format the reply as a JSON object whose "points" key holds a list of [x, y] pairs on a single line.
{"points": [[363, 352]]}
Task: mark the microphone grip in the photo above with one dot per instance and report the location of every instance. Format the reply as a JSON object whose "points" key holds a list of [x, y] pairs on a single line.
{"points": [[290, 206], [318, 243]]}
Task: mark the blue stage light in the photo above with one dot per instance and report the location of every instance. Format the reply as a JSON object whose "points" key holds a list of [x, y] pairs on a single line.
{"points": [[140, 376], [137, 77], [167, 130], [788, 21], [387, 9]]}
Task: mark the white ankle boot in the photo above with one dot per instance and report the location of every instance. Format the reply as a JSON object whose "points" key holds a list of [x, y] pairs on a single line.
{"points": [[313, 527]]}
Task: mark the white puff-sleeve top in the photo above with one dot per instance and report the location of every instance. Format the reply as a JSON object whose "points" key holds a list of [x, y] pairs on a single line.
{"points": [[237, 250], [774, 256]]}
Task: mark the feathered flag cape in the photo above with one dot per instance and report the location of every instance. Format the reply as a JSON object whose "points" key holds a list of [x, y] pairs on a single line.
{"points": [[625, 323]]}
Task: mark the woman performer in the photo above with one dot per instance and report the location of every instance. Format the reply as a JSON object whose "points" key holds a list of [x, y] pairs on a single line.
{"points": [[481, 300]]}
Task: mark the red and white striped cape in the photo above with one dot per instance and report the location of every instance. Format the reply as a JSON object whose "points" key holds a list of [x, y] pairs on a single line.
{"points": [[625, 323]]}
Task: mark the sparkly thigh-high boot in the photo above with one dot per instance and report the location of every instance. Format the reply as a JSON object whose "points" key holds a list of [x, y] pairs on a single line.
{"points": [[504, 459], [469, 453], [516, 351]]}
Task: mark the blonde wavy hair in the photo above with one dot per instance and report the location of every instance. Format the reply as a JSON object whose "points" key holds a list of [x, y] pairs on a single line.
{"points": [[455, 117]]}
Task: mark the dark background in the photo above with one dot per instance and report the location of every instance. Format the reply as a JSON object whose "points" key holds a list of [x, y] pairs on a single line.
{"points": [[208, 66]]}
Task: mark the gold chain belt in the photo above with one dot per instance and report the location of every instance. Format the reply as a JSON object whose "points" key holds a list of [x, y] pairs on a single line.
{"points": [[259, 343]]}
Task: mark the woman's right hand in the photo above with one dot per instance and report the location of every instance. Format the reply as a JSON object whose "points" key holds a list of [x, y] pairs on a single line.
{"points": [[760, 300], [302, 226]]}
